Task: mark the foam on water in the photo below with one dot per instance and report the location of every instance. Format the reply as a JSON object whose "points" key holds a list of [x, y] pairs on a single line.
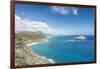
{"points": [[48, 60]]}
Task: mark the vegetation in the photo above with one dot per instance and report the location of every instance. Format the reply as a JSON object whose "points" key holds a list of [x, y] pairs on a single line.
{"points": [[23, 54], [30, 37]]}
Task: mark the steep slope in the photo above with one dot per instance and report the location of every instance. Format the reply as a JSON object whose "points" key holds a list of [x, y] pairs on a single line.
{"points": [[23, 54]]}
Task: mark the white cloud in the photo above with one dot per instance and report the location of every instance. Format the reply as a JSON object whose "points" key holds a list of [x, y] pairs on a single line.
{"points": [[64, 10], [75, 11], [58, 9], [28, 25]]}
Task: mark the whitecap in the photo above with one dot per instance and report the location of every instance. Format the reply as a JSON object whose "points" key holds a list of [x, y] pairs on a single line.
{"points": [[51, 61], [48, 60]]}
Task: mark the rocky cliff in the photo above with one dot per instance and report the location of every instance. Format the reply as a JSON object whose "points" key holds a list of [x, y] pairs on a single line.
{"points": [[23, 54]]}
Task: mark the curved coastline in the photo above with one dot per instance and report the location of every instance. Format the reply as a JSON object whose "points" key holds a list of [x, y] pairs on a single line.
{"points": [[48, 60], [24, 55]]}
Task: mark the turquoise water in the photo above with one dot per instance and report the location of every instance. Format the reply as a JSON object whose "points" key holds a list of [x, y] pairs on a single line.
{"points": [[62, 49]]}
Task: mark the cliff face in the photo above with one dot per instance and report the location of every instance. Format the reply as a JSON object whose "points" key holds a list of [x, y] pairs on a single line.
{"points": [[23, 54], [31, 37]]}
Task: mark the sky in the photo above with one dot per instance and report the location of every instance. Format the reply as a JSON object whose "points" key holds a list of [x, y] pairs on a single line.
{"points": [[57, 20]]}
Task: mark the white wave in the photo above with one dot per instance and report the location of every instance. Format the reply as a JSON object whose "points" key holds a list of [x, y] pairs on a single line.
{"points": [[80, 37], [32, 44], [48, 60]]}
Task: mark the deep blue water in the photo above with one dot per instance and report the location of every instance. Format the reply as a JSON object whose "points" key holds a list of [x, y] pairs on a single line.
{"points": [[62, 49]]}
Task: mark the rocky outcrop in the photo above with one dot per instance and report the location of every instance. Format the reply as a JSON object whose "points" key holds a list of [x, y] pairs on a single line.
{"points": [[23, 54]]}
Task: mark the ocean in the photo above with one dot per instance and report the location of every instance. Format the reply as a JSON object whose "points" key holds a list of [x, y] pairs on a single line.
{"points": [[62, 49]]}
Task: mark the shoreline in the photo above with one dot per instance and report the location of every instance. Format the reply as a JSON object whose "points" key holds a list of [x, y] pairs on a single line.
{"points": [[32, 44], [48, 60], [43, 57]]}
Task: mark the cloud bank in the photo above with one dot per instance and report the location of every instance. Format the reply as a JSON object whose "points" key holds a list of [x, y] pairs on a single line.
{"points": [[64, 10], [33, 26]]}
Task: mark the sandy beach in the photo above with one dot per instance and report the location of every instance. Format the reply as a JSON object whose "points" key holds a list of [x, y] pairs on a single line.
{"points": [[32, 44]]}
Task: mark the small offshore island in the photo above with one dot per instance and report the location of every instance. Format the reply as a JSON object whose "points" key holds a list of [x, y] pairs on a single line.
{"points": [[25, 55]]}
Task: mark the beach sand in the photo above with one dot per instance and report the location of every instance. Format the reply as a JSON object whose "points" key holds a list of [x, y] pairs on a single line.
{"points": [[32, 44]]}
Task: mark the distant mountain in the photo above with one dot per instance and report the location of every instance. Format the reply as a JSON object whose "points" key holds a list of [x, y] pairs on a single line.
{"points": [[30, 37]]}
